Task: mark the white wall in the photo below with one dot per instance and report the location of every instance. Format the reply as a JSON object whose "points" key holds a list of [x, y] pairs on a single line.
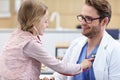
{"points": [[4, 35], [49, 39]]}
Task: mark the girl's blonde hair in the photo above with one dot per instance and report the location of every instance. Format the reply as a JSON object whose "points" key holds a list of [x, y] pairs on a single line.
{"points": [[30, 12]]}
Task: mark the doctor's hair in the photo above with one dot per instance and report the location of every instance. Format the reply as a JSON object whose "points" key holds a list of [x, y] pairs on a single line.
{"points": [[103, 8], [30, 13]]}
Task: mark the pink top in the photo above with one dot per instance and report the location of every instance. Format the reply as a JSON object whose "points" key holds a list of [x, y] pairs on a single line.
{"points": [[23, 55]]}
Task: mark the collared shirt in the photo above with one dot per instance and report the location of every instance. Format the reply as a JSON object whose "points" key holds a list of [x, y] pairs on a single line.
{"points": [[89, 73]]}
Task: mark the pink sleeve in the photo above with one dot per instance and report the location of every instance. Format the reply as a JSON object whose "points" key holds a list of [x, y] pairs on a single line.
{"points": [[35, 50]]}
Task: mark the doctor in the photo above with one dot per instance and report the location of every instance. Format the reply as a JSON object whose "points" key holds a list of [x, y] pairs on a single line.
{"points": [[94, 18]]}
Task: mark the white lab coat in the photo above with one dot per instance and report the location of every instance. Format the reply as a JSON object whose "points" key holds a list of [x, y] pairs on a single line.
{"points": [[107, 62]]}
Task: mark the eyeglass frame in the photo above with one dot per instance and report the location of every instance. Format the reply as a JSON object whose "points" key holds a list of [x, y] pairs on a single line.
{"points": [[89, 18]]}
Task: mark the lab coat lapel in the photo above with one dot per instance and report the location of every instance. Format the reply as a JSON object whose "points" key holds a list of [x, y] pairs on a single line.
{"points": [[99, 63], [100, 60], [77, 50]]}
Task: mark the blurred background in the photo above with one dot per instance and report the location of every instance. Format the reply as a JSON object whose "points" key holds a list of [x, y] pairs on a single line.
{"points": [[60, 11], [63, 25]]}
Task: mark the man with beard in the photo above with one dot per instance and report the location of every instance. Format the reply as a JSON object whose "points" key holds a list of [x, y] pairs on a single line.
{"points": [[94, 18]]}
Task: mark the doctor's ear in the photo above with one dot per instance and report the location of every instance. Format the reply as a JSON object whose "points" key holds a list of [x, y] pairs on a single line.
{"points": [[104, 22]]}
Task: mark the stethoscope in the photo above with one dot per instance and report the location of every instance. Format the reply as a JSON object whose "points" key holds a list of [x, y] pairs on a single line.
{"points": [[37, 32]]}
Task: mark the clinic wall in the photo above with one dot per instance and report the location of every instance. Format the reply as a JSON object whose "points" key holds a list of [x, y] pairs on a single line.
{"points": [[68, 9]]}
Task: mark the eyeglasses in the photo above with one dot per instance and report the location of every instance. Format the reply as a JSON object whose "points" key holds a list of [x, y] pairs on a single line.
{"points": [[87, 19]]}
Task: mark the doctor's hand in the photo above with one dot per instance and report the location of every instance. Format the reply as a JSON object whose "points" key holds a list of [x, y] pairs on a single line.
{"points": [[87, 63]]}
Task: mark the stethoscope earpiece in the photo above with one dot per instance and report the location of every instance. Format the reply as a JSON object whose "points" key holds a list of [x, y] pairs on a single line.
{"points": [[37, 32]]}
